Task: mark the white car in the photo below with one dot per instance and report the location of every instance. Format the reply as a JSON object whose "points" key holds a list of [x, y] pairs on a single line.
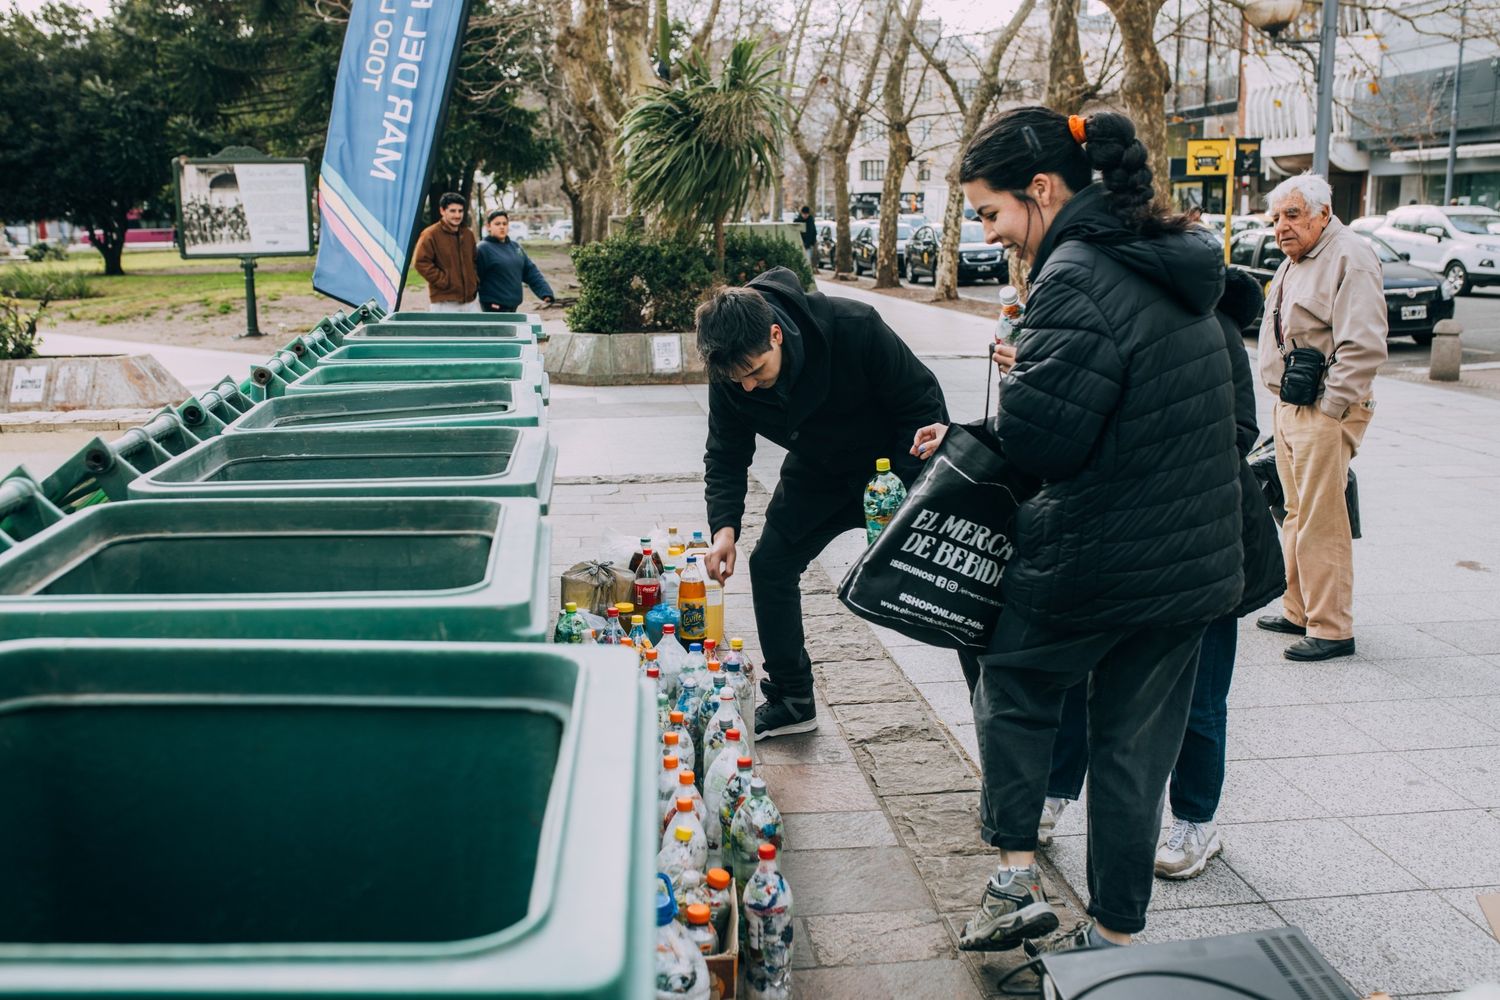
{"points": [[1460, 242], [562, 229], [520, 231], [1241, 223], [1367, 223]]}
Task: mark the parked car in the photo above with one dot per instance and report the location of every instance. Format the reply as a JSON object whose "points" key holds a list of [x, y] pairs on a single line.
{"points": [[1367, 223], [865, 247], [976, 258], [827, 244], [1240, 223], [1415, 299], [1460, 242], [562, 229]]}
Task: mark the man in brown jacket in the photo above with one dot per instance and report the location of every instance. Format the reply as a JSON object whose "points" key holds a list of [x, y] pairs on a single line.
{"points": [[445, 258], [1329, 295]]}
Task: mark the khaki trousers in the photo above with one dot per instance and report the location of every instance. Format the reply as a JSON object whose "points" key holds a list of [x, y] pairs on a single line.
{"points": [[1313, 451]]}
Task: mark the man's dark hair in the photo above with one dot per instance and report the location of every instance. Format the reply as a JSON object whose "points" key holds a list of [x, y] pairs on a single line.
{"points": [[497, 213], [807, 209], [734, 325], [451, 198]]}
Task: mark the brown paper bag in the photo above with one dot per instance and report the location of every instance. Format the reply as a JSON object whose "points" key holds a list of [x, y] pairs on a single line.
{"points": [[597, 586]]}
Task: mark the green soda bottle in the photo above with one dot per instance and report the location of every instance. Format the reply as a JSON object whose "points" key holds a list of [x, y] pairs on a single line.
{"points": [[571, 628], [883, 495]]}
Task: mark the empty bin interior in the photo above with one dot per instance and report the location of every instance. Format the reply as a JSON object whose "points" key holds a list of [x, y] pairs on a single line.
{"points": [[479, 399], [399, 351], [214, 822], [414, 371]]}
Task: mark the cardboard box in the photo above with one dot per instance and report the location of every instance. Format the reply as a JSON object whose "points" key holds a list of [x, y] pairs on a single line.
{"points": [[724, 968], [1489, 903]]}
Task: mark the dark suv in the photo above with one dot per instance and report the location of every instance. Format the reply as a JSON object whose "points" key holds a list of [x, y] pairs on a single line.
{"points": [[976, 258]]}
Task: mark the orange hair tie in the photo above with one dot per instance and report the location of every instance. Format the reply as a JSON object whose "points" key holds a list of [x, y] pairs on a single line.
{"points": [[1079, 128]]}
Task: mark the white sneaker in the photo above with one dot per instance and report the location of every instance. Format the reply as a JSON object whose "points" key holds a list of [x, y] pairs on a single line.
{"points": [[1186, 849], [1052, 811]]}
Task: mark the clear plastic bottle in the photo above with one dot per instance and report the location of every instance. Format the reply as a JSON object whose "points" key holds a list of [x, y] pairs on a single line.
{"points": [[675, 544], [692, 602], [756, 822], [640, 556], [768, 930], [700, 928], [708, 707], [638, 637], [737, 675], [695, 665], [883, 495], [626, 609], [690, 703], [697, 542], [681, 970], [736, 793], [697, 841], [719, 885], [691, 888], [716, 739], [666, 782], [647, 584], [570, 628], [1011, 313], [715, 780], [663, 706], [687, 791], [670, 655], [671, 581], [686, 748], [613, 633]]}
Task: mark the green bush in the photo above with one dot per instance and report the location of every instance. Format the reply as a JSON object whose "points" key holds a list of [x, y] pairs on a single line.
{"points": [[632, 282], [18, 329], [39, 252], [21, 282]]}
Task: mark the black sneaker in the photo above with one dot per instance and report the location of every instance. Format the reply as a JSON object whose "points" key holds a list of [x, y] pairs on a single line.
{"points": [[785, 717], [1013, 909], [1080, 937]]}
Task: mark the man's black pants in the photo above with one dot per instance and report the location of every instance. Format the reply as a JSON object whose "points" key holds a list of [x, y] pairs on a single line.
{"points": [[1140, 690], [776, 568]]}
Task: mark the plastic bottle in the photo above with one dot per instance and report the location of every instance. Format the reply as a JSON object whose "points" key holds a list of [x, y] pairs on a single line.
{"points": [[757, 821], [718, 882], [681, 970], [715, 780], [713, 603], [638, 637], [640, 556], [1011, 312], [736, 793], [697, 846], [669, 657], [612, 633], [570, 628], [687, 791], [663, 706], [647, 584], [695, 665], [697, 542], [626, 609], [682, 850], [768, 930], [726, 719], [700, 928], [675, 545], [737, 675], [671, 581], [667, 782], [685, 745], [883, 495], [708, 707], [692, 602], [690, 703], [691, 888]]}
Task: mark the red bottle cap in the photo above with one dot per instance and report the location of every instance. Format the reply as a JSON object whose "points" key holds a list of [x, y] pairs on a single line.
{"points": [[768, 852]]}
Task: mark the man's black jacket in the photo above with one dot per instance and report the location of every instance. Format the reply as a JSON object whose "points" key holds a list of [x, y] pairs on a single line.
{"points": [[860, 394]]}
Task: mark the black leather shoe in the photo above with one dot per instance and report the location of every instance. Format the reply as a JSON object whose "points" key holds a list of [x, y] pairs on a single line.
{"points": [[1276, 623], [1319, 649]]}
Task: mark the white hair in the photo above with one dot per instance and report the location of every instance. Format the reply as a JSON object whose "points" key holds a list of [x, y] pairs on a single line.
{"points": [[1312, 187]]}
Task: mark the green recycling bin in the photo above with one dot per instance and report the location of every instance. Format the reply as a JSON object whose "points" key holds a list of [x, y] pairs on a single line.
{"points": [[325, 819], [363, 462], [390, 374], [441, 568], [363, 352], [529, 320], [450, 331], [451, 404]]}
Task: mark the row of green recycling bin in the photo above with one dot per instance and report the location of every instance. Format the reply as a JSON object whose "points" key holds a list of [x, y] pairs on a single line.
{"points": [[275, 714]]}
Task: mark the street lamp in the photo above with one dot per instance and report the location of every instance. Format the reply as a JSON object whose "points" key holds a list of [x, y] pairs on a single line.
{"points": [[1273, 17]]}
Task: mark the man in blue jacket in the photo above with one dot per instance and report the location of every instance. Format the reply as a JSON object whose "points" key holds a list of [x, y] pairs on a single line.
{"points": [[503, 266]]}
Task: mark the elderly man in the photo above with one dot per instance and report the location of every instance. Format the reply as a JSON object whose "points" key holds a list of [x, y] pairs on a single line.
{"points": [[1328, 296]]}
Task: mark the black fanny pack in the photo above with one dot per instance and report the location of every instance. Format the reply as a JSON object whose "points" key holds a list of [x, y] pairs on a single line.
{"points": [[1302, 375]]}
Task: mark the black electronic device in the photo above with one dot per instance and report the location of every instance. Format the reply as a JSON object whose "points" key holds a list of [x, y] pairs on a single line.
{"points": [[1279, 964]]}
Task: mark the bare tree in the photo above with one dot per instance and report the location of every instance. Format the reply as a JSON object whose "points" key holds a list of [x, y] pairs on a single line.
{"points": [[1146, 82], [850, 105], [1067, 83], [898, 111]]}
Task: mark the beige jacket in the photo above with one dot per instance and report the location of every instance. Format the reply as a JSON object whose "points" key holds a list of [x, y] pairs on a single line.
{"points": [[1332, 299]]}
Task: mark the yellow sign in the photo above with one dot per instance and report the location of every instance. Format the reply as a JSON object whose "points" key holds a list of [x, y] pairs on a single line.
{"points": [[1210, 157]]}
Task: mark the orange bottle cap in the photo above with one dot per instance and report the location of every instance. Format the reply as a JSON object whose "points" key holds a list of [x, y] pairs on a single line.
{"points": [[684, 805], [675, 715], [743, 763], [713, 665], [651, 654], [671, 739], [699, 913], [686, 778], [718, 878], [669, 762]]}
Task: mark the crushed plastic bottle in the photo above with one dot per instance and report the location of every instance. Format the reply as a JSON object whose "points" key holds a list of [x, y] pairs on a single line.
{"points": [[736, 792], [691, 888], [715, 781], [716, 733], [768, 930], [719, 887], [666, 782], [670, 655], [884, 494], [612, 633], [687, 791], [681, 970], [700, 928], [686, 749], [571, 627], [757, 821], [696, 844]]}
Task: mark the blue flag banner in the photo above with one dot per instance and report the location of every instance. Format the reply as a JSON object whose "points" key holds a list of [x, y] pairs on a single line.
{"points": [[394, 79]]}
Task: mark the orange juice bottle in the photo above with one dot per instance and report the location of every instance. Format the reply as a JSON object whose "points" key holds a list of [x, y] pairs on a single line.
{"points": [[692, 603]]}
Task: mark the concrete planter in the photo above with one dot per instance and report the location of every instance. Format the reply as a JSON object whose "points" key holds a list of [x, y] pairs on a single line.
{"points": [[87, 382], [624, 359]]}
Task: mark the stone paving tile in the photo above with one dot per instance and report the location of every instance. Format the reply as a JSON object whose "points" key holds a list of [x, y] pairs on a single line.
{"points": [[1193, 922], [1217, 886], [853, 880], [950, 700], [1478, 637], [1310, 858], [891, 722], [1444, 850], [1292, 731], [990, 967], [1419, 608], [1484, 708], [853, 682], [1467, 903], [957, 881], [825, 746], [840, 640], [946, 823], [800, 788], [1451, 677], [1329, 682], [1367, 784], [1401, 942], [821, 831], [878, 938], [1426, 724], [1473, 772], [916, 766], [890, 638], [1256, 792], [935, 979], [923, 664], [1395, 642]]}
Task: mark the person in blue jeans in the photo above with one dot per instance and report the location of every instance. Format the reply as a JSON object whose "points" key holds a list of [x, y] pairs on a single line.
{"points": [[1198, 775]]}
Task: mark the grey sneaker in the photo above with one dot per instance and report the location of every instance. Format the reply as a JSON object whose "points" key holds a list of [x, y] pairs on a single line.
{"points": [[1013, 909], [785, 716], [1052, 811], [1079, 937], [1186, 849]]}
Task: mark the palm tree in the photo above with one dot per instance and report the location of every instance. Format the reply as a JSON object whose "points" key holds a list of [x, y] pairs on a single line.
{"points": [[695, 152]]}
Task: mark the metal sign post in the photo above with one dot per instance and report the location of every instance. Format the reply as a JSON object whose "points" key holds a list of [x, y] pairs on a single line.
{"points": [[252, 328]]}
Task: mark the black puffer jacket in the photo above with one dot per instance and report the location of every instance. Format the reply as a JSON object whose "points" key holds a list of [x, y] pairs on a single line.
{"points": [[1121, 400]]}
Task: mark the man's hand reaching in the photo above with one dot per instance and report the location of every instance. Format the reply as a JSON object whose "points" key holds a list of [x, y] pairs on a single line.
{"points": [[721, 556]]}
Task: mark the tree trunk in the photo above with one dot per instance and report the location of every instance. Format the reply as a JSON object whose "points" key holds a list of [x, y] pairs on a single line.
{"points": [[1067, 85], [719, 248], [898, 156], [945, 277], [843, 255], [810, 164], [111, 244], [1147, 79], [1020, 269]]}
